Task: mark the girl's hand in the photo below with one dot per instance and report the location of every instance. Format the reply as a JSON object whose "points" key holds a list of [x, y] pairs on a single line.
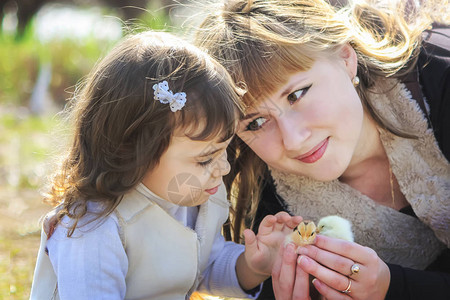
{"points": [[289, 281], [330, 260], [261, 250]]}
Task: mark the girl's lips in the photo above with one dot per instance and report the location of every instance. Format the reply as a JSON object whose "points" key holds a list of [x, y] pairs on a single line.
{"points": [[213, 190], [315, 154]]}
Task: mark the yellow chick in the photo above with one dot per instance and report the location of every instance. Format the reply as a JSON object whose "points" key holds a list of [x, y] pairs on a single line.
{"points": [[335, 226], [332, 226], [303, 234]]}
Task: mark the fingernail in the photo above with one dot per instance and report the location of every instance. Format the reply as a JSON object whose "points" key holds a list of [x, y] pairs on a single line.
{"points": [[314, 281], [290, 248], [303, 259]]}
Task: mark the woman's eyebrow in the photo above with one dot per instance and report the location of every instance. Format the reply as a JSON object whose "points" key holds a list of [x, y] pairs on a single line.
{"points": [[291, 86], [288, 89], [249, 116]]}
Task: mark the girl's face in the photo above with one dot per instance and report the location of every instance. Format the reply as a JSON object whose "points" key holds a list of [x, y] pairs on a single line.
{"points": [[312, 125], [189, 172]]}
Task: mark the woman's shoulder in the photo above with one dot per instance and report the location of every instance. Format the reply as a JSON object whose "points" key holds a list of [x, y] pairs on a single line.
{"points": [[434, 77], [434, 62], [438, 38]]}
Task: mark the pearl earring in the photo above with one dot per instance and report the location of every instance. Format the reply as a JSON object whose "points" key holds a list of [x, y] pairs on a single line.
{"points": [[355, 80]]}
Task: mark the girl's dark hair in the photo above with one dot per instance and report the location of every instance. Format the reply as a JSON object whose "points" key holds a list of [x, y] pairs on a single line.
{"points": [[121, 131]]}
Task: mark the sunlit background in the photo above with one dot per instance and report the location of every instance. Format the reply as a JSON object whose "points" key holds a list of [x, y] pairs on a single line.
{"points": [[46, 48]]}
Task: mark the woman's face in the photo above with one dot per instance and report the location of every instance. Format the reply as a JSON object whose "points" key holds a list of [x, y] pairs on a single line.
{"points": [[312, 125]]}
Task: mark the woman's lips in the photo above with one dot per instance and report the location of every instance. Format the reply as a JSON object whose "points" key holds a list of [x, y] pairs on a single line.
{"points": [[213, 190], [315, 154]]}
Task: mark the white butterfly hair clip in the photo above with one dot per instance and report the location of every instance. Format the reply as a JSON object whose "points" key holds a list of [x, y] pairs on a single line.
{"points": [[166, 96]]}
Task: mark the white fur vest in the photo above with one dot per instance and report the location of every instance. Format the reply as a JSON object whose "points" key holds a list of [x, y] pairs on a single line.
{"points": [[165, 258]]}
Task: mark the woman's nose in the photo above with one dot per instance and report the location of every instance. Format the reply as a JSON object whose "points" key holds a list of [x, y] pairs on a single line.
{"points": [[293, 132]]}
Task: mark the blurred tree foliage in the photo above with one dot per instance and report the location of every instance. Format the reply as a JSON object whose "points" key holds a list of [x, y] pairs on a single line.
{"points": [[70, 59], [19, 65]]}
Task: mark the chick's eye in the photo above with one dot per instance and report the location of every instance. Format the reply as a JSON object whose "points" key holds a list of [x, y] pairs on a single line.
{"points": [[297, 95], [256, 124]]}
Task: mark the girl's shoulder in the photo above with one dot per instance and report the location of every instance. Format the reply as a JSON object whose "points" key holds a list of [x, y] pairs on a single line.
{"points": [[92, 257], [92, 223]]}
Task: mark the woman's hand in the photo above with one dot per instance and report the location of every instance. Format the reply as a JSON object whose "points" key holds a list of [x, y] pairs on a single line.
{"points": [[330, 261], [289, 281]]}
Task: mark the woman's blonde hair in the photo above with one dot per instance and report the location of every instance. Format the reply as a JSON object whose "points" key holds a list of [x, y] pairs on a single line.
{"points": [[120, 131], [262, 42]]}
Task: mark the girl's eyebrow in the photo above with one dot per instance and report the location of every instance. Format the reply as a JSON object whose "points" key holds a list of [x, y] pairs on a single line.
{"points": [[213, 151]]}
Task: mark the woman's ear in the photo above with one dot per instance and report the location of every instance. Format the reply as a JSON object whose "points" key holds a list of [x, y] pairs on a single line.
{"points": [[348, 54]]}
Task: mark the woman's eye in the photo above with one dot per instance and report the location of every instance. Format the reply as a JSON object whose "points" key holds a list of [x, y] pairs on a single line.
{"points": [[205, 163], [297, 95], [256, 124]]}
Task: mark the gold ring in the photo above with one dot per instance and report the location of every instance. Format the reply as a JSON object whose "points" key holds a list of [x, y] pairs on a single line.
{"points": [[347, 290], [354, 269]]}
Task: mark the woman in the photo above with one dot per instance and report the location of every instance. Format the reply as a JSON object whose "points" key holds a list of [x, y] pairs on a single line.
{"points": [[340, 104]]}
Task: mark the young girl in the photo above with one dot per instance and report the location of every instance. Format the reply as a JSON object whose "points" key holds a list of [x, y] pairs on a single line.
{"points": [[140, 196]]}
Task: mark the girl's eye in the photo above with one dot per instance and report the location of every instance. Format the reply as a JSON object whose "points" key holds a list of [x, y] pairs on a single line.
{"points": [[205, 163], [256, 124], [297, 95]]}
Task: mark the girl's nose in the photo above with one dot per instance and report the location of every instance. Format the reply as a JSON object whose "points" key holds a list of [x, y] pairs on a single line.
{"points": [[222, 166], [293, 132]]}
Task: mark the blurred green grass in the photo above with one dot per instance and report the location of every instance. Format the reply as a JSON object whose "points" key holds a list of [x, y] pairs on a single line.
{"points": [[26, 144], [16, 267]]}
